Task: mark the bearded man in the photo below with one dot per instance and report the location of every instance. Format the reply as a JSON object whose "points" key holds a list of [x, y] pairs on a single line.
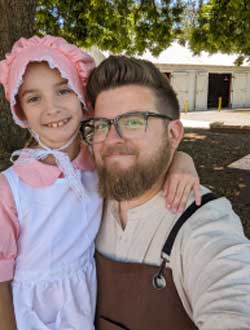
{"points": [[157, 270]]}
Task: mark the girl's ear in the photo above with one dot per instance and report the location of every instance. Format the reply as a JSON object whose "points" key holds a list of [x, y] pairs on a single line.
{"points": [[175, 133]]}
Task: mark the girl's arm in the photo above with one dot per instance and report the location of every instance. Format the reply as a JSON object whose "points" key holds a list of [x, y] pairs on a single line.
{"points": [[182, 179], [7, 316], [9, 233]]}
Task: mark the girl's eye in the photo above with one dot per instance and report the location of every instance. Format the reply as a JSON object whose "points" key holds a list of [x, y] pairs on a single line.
{"points": [[33, 99], [64, 91]]}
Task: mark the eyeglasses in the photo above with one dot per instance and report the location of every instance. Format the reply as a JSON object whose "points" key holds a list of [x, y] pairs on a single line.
{"points": [[130, 125]]}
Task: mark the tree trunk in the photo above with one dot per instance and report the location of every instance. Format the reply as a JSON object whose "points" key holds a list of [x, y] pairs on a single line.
{"points": [[16, 20]]}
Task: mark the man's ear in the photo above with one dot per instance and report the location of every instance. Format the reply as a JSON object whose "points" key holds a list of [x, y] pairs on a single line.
{"points": [[175, 133]]}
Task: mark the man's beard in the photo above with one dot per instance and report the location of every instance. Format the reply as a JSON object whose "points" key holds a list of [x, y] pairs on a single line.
{"points": [[126, 184]]}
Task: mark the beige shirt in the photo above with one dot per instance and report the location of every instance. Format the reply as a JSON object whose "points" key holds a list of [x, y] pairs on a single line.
{"points": [[210, 259]]}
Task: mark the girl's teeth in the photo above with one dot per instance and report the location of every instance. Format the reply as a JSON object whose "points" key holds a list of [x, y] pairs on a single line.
{"points": [[58, 124]]}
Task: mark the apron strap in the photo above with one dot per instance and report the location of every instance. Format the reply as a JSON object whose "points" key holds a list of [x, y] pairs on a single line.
{"points": [[158, 279], [167, 248]]}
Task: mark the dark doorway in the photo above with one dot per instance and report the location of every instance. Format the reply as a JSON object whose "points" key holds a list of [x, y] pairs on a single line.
{"points": [[168, 75], [219, 86]]}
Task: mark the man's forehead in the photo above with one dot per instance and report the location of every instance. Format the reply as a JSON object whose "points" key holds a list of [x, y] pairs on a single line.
{"points": [[122, 99]]}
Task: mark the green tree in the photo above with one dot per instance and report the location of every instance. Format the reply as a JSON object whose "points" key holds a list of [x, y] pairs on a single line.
{"points": [[116, 25], [222, 26], [188, 18], [17, 20]]}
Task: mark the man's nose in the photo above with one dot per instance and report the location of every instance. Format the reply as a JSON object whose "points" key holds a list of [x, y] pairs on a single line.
{"points": [[113, 135]]}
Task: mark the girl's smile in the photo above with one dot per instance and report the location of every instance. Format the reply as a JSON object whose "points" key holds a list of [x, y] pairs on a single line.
{"points": [[59, 123]]}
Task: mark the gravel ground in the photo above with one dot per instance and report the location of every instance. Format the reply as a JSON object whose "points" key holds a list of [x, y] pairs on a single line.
{"points": [[212, 153]]}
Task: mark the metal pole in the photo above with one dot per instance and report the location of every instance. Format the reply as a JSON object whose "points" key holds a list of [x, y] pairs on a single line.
{"points": [[219, 103], [186, 106]]}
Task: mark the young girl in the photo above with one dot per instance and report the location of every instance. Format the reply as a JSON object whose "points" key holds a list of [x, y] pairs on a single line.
{"points": [[50, 210]]}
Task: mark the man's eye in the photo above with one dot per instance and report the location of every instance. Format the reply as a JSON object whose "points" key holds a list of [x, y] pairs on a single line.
{"points": [[64, 91], [133, 123], [101, 126]]}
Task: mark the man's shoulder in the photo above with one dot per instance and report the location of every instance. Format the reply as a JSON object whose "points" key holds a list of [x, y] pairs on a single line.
{"points": [[218, 206], [215, 216], [216, 212]]}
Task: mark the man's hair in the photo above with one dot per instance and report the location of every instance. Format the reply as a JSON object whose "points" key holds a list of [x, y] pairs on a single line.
{"points": [[117, 71]]}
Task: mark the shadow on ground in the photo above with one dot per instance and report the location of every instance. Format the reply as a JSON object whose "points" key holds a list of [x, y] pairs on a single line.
{"points": [[212, 153]]}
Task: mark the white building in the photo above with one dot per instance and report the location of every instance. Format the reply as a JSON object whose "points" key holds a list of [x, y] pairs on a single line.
{"points": [[200, 80]]}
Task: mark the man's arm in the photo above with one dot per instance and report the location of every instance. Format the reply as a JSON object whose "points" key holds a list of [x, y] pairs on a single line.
{"points": [[7, 316], [215, 259]]}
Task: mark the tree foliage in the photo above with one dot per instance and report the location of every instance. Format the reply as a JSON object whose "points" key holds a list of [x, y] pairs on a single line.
{"points": [[17, 20], [116, 25], [129, 26], [222, 26]]}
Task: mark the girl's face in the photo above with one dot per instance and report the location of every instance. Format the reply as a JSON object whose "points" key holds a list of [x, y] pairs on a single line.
{"points": [[51, 108]]}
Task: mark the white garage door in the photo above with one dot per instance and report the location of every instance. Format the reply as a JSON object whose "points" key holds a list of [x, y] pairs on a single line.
{"points": [[179, 82], [201, 91], [239, 90]]}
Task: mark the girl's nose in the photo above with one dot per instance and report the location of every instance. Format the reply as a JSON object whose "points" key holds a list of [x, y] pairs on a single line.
{"points": [[52, 106]]}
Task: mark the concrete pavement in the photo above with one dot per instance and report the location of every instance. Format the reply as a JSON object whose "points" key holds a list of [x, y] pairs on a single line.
{"points": [[238, 119]]}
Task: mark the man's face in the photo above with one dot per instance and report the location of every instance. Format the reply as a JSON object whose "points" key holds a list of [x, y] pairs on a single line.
{"points": [[129, 167]]}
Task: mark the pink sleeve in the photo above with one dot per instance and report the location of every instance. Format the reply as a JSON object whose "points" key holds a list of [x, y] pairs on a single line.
{"points": [[9, 231]]}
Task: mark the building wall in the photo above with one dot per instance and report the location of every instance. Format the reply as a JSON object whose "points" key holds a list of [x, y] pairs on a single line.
{"points": [[191, 84]]}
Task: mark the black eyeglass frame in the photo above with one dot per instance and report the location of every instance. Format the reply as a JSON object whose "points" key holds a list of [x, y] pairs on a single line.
{"points": [[114, 121]]}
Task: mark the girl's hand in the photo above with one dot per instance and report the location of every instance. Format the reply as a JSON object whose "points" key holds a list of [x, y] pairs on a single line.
{"points": [[182, 178], [7, 316]]}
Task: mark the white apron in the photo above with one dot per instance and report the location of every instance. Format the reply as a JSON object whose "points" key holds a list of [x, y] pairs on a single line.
{"points": [[54, 286]]}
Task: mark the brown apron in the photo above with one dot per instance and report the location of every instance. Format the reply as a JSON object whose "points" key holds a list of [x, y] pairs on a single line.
{"points": [[131, 297]]}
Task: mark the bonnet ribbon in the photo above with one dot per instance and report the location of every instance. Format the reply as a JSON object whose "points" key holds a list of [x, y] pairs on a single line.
{"points": [[72, 175]]}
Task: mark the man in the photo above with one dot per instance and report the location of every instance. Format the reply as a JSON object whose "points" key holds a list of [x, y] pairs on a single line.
{"points": [[157, 271]]}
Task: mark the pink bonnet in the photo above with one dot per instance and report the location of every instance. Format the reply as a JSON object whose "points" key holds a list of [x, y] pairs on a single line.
{"points": [[72, 63]]}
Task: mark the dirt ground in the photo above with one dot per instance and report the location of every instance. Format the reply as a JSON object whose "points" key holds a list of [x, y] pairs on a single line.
{"points": [[212, 153]]}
